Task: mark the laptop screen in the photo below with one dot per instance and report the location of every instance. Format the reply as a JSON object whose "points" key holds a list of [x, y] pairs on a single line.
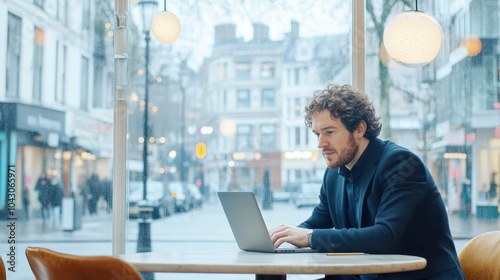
{"points": [[248, 225]]}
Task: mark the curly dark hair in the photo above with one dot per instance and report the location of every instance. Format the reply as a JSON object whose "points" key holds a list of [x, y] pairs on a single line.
{"points": [[347, 104]]}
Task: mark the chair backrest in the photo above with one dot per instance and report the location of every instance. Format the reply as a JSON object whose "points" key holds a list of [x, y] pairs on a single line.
{"points": [[480, 257], [50, 265], [3, 273]]}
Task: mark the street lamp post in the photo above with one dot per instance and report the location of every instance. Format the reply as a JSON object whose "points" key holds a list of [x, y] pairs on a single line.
{"points": [[182, 156], [148, 11], [147, 17], [183, 136]]}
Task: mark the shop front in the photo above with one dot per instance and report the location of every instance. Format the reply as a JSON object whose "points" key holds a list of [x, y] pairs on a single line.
{"points": [[92, 146], [486, 175], [453, 168], [31, 141], [486, 178]]}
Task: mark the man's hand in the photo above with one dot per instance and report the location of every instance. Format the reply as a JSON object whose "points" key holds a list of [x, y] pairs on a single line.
{"points": [[293, 235]]}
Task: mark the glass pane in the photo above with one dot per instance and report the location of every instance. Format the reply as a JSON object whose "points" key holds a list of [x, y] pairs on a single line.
{"points": [[447, 110], [237, 79]]}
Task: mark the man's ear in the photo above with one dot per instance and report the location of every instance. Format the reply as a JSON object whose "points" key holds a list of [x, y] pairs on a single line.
{"points": [[361, 129]]}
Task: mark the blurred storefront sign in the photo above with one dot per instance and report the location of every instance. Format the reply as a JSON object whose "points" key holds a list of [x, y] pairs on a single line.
{"points": [[28, 131], [91, 133], [47, 124]]}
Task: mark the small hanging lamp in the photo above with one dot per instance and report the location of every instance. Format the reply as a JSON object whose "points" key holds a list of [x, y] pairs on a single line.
{"points": [[413, 38], [166, 26]]}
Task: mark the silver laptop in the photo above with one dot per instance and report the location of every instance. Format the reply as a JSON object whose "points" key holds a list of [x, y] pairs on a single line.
{"points": [[248, 226]]}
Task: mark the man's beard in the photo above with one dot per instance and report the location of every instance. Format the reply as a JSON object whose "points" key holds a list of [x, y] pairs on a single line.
{"points": [[346, 155]]}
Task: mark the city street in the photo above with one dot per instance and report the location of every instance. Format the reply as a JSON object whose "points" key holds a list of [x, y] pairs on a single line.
{"points": [[200, 229]]}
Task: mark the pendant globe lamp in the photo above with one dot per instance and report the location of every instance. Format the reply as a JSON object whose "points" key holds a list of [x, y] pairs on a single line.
{"points": [[413, 38], [166, 26]]}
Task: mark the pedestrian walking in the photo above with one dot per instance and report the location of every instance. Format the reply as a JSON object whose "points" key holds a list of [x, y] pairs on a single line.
{"points": [[85, 196], [94, 193], [492, 192], [25, 196], [466, 198], [57, 194], [43, 188], [107, 188]]}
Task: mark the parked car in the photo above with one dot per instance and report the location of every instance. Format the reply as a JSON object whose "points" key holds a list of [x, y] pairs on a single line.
{"points": [[180, 194], [282, 196], [158, 196], [197, 198], [307, 195]]}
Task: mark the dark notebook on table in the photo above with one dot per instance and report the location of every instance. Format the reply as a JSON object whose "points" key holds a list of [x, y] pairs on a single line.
{"points": [[248, 226]]}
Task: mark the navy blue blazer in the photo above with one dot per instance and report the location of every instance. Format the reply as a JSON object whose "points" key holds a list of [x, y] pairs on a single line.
{"points": [[402, 212]]}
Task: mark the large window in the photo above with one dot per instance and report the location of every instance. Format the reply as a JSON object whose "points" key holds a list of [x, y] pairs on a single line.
{"points": [[489, 179], [63, 74], [297, 136], [222, 71], [244, 99], [267, 136], [62, 11], [268, 98], [57, 71], [13, 56], [307, 134], [243, 137], [38, 46], [243, 70], [267, 70], [84, 84], [86, 15], [99, 93], [297, 108]]}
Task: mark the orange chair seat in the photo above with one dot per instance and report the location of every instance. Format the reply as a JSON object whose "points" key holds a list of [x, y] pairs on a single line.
{"points": [[480, 257], [50, 265]]}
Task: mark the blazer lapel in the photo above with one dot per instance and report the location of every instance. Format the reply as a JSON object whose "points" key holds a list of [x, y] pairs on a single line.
{"points": [[343, 201], [339, 197], [374, 150]]}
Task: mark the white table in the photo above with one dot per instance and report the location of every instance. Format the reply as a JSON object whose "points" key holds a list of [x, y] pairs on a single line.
{"points": [[269, 265]]}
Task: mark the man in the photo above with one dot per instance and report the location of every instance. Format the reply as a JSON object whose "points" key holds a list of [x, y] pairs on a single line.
{"points": [[376, 196]]}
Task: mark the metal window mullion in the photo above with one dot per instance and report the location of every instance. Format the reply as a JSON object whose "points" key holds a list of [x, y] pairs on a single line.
{"points": [[120, 127], [358, 44]]}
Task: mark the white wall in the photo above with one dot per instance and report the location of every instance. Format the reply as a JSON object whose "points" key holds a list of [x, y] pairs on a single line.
{"points": [[77, 42]]}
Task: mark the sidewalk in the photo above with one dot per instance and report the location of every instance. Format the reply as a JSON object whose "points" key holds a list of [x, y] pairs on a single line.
{"points": [[462, 228], [94, 228]]}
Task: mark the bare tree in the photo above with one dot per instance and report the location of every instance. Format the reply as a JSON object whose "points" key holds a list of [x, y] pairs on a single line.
{"points": [[379, 22]]}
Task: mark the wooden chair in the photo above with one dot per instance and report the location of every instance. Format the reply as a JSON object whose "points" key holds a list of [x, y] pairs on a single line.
{"points": [[50, 265], [3, 273], [480, 257]]}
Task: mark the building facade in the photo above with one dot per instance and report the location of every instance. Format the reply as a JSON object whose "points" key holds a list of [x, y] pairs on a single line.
{"points": [[55, 97], [465, 80]]}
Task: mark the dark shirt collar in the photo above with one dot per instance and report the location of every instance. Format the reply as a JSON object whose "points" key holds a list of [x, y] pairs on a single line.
{"points": [[344, 172], [357, 169]]}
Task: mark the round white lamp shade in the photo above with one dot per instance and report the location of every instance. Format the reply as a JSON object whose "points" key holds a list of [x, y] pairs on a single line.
{"points": [[413, 38], [166, 27]]}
